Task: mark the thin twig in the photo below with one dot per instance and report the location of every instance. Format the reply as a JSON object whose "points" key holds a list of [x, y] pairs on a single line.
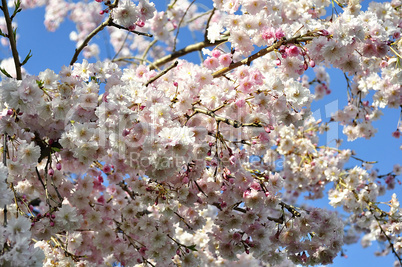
{"points": [[108, 22], [124, 28], [5, 150], [121, 47], [260, 53], [162, 73], [89, 37], [5, 164], [218, 118], [178, 27], [388, 239], [126, 59], [183, 220], [199, 16], [188, 49], [208, 22], [144, 55], [12, 38]]}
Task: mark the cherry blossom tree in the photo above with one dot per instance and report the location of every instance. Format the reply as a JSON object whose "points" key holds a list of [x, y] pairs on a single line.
{"points": [[147, 159]]}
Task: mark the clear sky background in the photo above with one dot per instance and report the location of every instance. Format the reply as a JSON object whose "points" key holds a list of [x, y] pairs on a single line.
{"points": [[54, 49]]}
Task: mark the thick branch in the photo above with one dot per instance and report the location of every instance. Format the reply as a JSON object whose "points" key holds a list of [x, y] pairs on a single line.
{"points": [[12, 39], [260, 53], [185, 51]]}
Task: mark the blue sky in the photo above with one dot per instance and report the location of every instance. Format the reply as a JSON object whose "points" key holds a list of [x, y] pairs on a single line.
{"points": [[54, 49]]}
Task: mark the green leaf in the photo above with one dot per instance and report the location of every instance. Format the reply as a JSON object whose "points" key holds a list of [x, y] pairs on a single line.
{"points": [[39, 83], [55, 149], [16, 9], [5, 73], [15, 34], [3, 34], [192, 248], [26, 58]]}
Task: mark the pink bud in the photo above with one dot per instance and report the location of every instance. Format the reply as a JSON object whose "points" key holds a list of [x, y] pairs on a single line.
{"points": [[396, 134], [324, 32], [10, 112], [140, 23], [278, 62], [125, 132], [175, 84], [58, 166], [216, 53], [101, 199], [104, 97], [51, 223], [50, 172], [107, 169], [312, 63]]}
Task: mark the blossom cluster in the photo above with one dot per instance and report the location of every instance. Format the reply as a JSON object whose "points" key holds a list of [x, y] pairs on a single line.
{"points": [[199, 164]]}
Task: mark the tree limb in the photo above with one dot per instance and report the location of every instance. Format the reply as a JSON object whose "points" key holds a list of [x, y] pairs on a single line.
{"points": [[185, 51], [12, 38], [261, 53]]}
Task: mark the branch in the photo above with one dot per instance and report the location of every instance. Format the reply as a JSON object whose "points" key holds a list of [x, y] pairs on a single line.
{"points": [[178, 27], [388, 239], [89, 37], [108, 22], [127, 59], [144, 55], [162, 73], [124, 28], [5, 164], [208, 22], [260, 53], [185, 51], [218, 118], [12, 38]]}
